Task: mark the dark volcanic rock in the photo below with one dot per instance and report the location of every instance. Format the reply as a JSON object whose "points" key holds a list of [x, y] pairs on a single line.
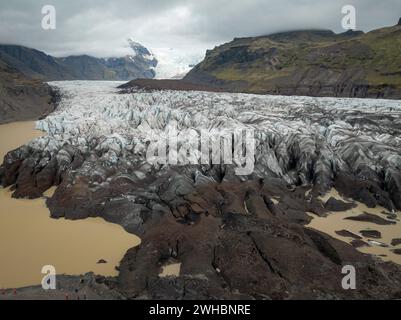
{"points": [[348, 234], [371, 234], [337, 205], [392, 216], [393, 181], [396, 242], [397, 251], [101, 261], [83, 287], [33, 172], [365, 188], [247, 254], [231, 240], [372, 218], [359, 243]]}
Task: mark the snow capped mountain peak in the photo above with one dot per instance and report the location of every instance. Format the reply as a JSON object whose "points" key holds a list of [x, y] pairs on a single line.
{"points": [[133, 44], [136, 46], [138, 50]]}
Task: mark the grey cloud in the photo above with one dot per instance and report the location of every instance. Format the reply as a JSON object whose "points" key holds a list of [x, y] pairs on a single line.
{"points": [[100, 27]]}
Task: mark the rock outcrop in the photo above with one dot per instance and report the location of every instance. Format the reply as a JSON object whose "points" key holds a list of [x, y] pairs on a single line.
{"points": [[234, 242], [371, 234], [368, 217]]}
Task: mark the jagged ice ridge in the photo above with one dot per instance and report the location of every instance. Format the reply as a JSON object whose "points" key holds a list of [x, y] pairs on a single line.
{"points": [[303, 140]]}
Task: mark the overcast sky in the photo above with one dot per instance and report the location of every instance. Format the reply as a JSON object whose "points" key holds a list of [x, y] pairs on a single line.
{"points": [[101, 27]]}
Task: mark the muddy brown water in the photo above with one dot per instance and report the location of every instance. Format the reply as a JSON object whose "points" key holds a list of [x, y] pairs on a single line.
{"points": [[170, 270], [30, 239], [336, 221]]}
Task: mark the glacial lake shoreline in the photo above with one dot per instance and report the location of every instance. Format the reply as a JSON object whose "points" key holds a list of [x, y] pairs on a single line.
{"points": [[30, 239]]}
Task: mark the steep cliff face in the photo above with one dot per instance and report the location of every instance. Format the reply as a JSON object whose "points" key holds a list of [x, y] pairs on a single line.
{"points": [[22, 98], [311, 62]]}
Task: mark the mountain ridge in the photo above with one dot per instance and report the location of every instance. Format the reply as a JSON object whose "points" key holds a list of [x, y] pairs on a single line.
{"points": [[307, 62], [37, 64]]}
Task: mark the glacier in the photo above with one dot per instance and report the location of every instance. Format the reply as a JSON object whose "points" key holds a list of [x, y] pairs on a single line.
{"points": [[302, 140], [248, 231]]}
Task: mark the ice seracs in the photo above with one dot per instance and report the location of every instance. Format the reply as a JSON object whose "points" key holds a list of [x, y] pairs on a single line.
{"points": [[303, 140]]}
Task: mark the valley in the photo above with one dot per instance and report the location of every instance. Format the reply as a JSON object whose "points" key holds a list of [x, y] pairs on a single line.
{"points": [[207, 233], [187, 150]]}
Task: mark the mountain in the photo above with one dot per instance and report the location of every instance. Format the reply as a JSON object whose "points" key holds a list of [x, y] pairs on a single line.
{"points": [[86, 67], [21, 97], [36, 64], [308, 62]]}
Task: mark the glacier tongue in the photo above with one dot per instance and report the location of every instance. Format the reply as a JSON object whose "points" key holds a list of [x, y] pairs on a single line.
{"points": [[303, 140], [220, 227]]}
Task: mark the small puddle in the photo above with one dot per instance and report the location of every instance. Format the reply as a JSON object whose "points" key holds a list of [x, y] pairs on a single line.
{"points": [[30, 239], [171, 270], [336, 222]]}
